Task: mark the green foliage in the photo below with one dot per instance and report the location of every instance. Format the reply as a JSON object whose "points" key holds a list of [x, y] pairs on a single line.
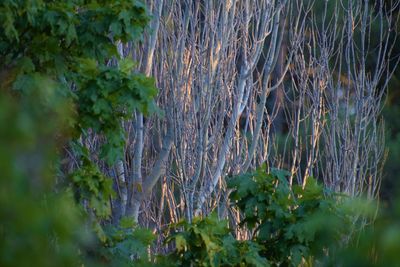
{"points": [[58, 84], [38, 227], [391, 169], [208, 242], [108, 95], [71, 43], [43, 30], [91, 185], [67, 46], [378, 244], [291, 225], [125, 245]]}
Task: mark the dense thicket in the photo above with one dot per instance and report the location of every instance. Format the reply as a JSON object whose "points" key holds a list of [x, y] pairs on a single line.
{"points": [[89, 151]]}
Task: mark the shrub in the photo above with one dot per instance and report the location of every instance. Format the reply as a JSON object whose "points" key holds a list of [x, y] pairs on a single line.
{"points": [[292, 225]]}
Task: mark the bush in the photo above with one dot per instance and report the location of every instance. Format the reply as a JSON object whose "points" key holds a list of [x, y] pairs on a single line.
{"points": [[209, 242], [292, 225]]}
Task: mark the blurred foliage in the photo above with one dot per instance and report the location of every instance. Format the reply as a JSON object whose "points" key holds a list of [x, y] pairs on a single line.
{"points": [[38, 227], [391, 114], [390, 182], [378, 244]]}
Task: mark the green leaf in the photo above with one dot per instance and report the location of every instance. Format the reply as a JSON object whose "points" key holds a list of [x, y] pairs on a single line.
{"points": [[126, 65], [297, 253], [71, 34], [25, 65], [180, 242], [8, 24], [282, 175], [88, 66], [116, 28], [312, 189], [144, 235], [127, 222], [100, 232], [264, 231]]}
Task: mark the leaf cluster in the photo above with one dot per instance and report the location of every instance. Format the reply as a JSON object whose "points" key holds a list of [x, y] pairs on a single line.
{"points": [[293, 224], [72, 43], [108, 94], [125, 244], [209, 242]]}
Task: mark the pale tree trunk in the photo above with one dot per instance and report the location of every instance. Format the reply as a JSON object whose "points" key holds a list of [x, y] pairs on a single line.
{"points": [[338, 99], [214, 62], [141, 188]]}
